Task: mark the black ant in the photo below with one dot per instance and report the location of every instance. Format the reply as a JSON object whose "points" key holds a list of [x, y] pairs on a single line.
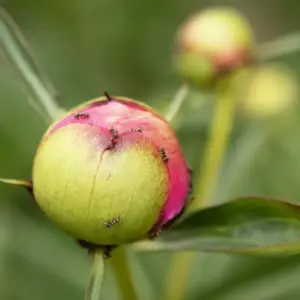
{"points": [[81, 116], [111, 144], [112, 222], [190, 172], [114, 133], [163, 154], [136, 130], [113, 140]]}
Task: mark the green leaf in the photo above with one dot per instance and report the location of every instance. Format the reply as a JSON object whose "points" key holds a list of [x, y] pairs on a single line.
{"points": [[249, 225]]}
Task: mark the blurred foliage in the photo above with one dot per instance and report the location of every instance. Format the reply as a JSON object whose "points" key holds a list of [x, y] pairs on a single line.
{"points": [[125, 47]]}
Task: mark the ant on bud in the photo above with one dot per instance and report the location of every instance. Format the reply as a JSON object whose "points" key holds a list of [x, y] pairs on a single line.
{"points": [[190, 172], [111, 144], [112, 222], [114, 132], [155, 234], [163, 154], [107, 249], [81, 116], [136, 130], [113, 140]]}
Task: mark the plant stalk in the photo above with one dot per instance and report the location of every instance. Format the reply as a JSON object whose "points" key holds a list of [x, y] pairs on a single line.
{"points": [[220, 130], [94, 287], [118, 262], [215, 149]]}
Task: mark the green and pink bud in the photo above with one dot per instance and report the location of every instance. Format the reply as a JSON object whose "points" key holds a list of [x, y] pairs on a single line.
{"points": [[111, 172], [212, 43]]}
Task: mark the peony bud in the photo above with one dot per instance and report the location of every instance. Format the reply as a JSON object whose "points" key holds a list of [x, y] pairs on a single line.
{"points": [[272, 89], [110, 172], [211, 43]]}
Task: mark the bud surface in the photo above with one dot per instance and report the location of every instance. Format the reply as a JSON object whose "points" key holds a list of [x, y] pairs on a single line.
{"points": [[110, 172]]}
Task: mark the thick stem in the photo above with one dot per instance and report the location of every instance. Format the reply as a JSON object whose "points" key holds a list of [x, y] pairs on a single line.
{"points": [[16, 49], [121, 270], [210, 165], [94, 287], [178, 275], [177, 102], [215, 149]]}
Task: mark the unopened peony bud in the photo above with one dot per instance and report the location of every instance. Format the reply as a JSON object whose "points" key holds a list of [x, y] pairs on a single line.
{"points": [[212, 43], [272, 89], [110, 172]]}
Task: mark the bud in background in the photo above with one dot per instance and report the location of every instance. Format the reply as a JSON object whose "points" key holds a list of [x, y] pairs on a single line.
{"points": [[212, 43], [110, 172], [271, 90]]}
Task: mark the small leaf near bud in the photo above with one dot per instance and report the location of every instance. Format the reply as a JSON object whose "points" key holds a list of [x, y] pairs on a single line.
{"points": [[17, 182]]}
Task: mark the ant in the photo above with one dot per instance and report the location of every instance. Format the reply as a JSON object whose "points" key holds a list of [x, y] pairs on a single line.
{"points": [[112, 222], [111, 144], [163, 154], [81, 116], [136, 130], [113, 140], [114, 132]]}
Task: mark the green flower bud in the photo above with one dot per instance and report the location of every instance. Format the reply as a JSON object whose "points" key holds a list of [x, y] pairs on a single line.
{"points": [[110, 172], [212, 43], [271, 90]]}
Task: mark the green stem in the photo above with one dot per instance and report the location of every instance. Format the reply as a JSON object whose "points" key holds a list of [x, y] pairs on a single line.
{"points": [[215, 149], [121, 270], [178, 275], [94, 287], [210, 165], [177, 102], [16, 49], [279, 47]]}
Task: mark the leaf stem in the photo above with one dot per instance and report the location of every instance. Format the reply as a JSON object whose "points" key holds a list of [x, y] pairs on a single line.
{"points": [[177, 102], [279, 47], [16, 49], [220, 130], [121, 270], [94, 287]]}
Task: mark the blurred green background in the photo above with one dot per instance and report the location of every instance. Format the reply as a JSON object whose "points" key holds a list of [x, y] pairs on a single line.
{"points": [[124, 47]]}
